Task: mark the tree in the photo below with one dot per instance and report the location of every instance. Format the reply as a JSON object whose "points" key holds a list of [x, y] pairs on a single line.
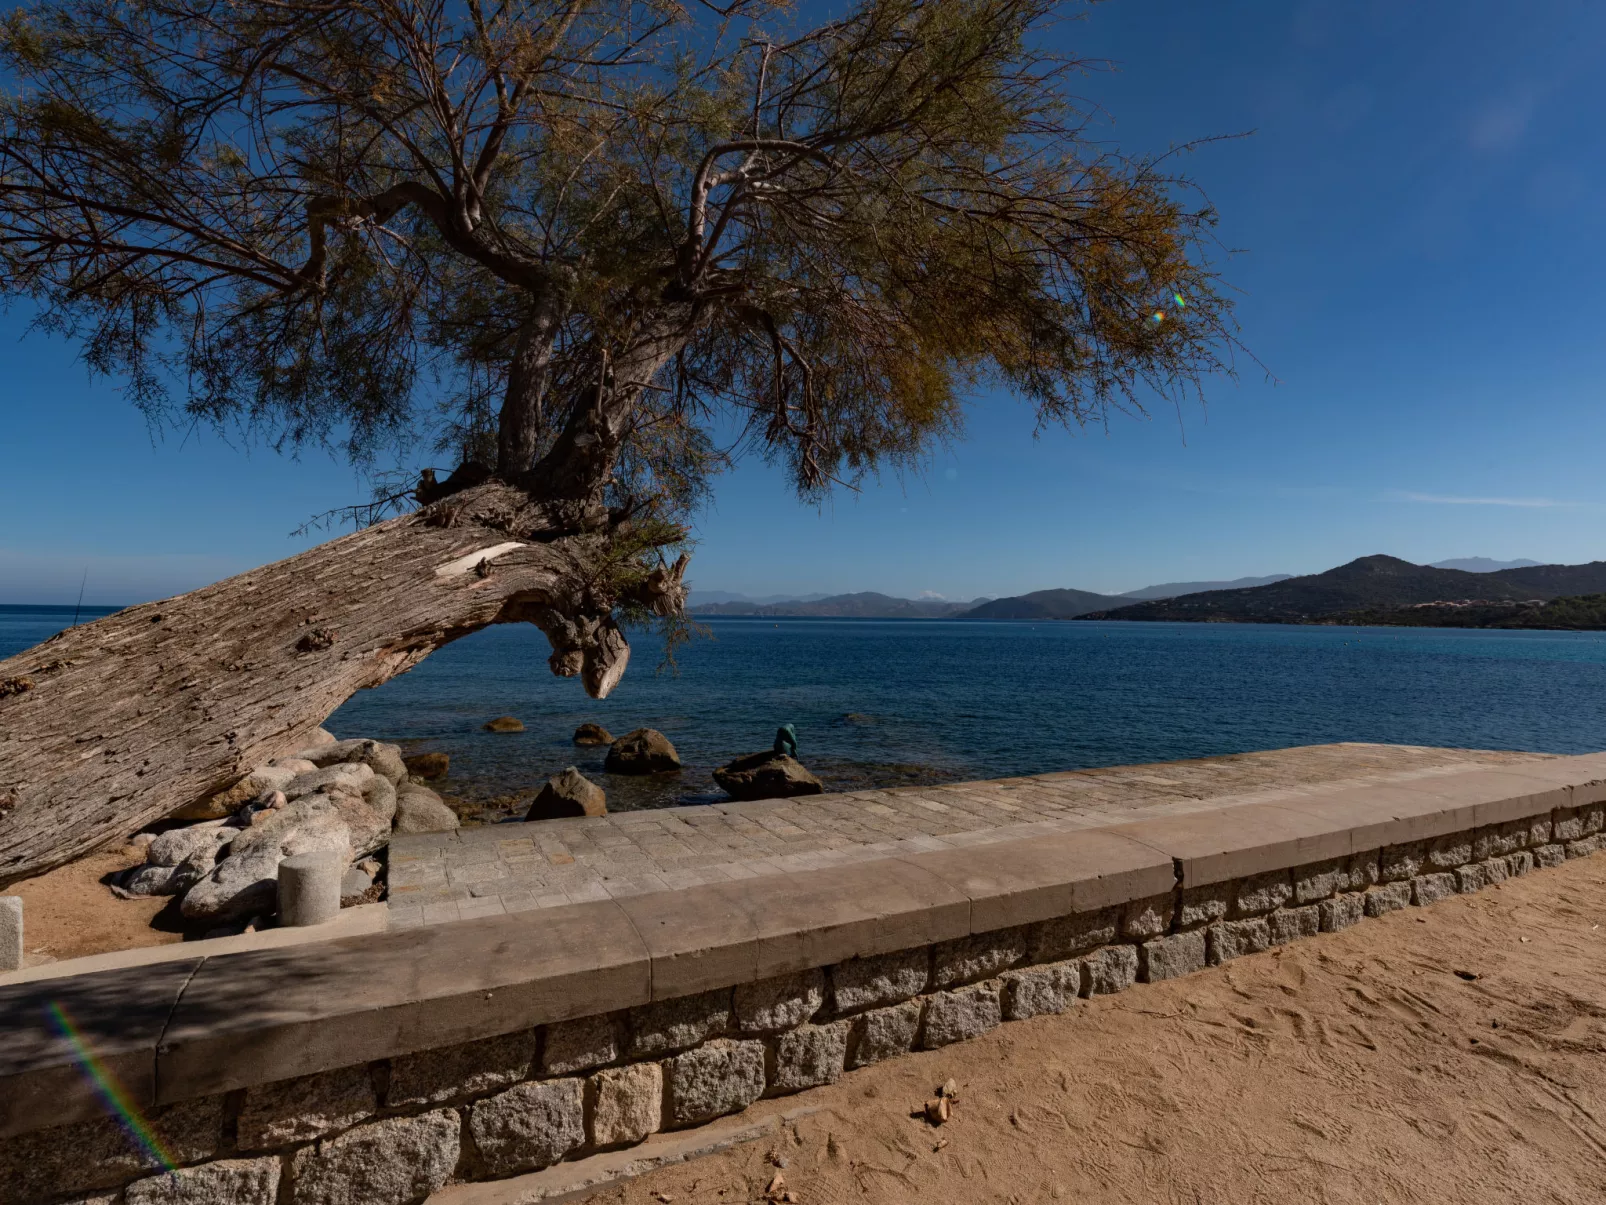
{"points": [[588, 251]]}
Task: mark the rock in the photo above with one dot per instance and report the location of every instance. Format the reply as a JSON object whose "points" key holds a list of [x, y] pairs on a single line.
{"points": [[253, 785], [299, 1110], [530, 1126], [1111, 969], [1035, 991], [885, 1032], [568, 794], [321, 736], [1174, 956], [48, 1164], [245, 883], [720, 1077], [644, 751], [784, 1002], [350, 776], [383, 759], [679, 1022], [503, 723], [810, 1056], [226, 1182], [354, 885], [629, 1104], [152, 880], [579, 1045], [861, 983], [296, 765], [427, 765], [592, 734], [433, 1077], [766, 776], [966, 1012], [177, 844], [420, 810], [395, 1162]]}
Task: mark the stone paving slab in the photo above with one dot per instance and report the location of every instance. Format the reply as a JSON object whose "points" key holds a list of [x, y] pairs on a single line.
{"points": [[520, 867]]}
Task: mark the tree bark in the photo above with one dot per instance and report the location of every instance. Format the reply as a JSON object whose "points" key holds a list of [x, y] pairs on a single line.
{"points": [[519, 424], [120, 722]]}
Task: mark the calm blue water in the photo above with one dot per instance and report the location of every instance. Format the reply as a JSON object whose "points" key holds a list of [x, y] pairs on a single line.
{"points": [[882, 702]]}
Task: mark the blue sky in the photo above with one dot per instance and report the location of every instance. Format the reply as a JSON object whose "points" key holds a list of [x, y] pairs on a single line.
{"points": [[1419, 208]]}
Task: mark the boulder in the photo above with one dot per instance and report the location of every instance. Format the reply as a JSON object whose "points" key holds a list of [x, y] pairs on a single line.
{"points": [[381, 758], [592, 734], [296, 765], [354, 886], [420, 810], [245, 883], [272, 777], [348, 775], [504, 723], [766, 776], [177, 844], [427, 765], [644, 751], [568, 794]]}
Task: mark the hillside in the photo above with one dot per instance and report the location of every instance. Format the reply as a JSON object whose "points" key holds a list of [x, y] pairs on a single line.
{"points": [[865, 605], [1042, 604], [1574, 613], [1368, 583], [1555, 581]]}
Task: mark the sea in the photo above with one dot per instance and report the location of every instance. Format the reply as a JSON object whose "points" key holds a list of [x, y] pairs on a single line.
{"points": [[895, 702]]}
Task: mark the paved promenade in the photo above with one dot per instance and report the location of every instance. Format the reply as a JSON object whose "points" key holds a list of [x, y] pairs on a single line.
{"points": [[517, 867]]}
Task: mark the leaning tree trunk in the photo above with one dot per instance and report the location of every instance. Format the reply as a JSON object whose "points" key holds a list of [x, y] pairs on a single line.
{"points": [[120, 722]]}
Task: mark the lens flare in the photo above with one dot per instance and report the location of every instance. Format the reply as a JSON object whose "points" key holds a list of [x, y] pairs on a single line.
{"points": [[1159, 315], [127, 1113], [1181, 304]]}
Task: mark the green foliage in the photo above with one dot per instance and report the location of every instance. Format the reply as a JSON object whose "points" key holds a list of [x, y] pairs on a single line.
{"points": [[343, 223]]}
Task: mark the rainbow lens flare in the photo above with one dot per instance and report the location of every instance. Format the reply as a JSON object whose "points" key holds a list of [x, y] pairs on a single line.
{"points": [[1159, 315], [1181, 304], [127, 1113]]}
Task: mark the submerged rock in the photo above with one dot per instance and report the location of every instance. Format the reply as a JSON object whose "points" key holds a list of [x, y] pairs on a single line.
{"points": [[568, 794], [766, 775], [427, 765], [504, 723], [644, 751], [592, 734]]}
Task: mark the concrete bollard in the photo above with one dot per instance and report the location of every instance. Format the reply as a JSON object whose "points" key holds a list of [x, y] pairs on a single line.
{"points": [[309, 888], [10, 933]]}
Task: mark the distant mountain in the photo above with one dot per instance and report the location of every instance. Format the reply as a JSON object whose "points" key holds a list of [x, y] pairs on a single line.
{"points": [[1480, 564], [1042, 604], [700, 598], [1369, 583], [867, 605], [1173, 589]]}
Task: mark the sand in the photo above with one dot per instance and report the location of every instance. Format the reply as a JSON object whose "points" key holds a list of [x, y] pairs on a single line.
{"points": [[70, 912], [1355, 1067]]}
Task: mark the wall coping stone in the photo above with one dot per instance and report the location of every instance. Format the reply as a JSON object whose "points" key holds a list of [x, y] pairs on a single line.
{"points": [[179, 1030]]}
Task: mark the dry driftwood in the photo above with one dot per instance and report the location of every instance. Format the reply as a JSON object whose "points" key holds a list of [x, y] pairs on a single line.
{"points": [[119, 722]]}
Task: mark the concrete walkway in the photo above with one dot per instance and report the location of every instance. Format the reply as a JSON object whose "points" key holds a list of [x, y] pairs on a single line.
{"points": [[504, 868]]}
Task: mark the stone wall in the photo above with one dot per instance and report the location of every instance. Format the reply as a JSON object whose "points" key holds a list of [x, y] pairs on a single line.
{"points": [[391, 1131]]}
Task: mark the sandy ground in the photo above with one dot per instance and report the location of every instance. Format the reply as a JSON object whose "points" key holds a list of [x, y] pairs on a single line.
{"points": [[1354, 1067], [70, 912]]}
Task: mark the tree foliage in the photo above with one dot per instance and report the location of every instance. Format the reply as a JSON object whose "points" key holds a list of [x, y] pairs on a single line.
{"points": [[592, 245]]}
